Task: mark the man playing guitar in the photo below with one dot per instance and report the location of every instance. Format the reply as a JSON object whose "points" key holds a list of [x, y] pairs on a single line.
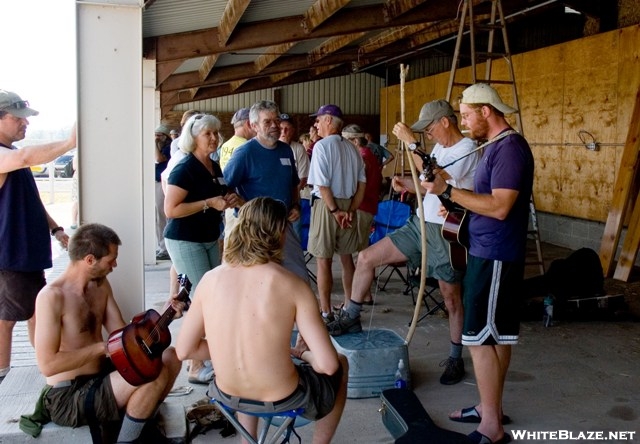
{"points": [[438, 122], [72, 311]]}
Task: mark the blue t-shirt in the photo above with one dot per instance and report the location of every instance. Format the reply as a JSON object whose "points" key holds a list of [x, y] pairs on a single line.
{"points": [[24, 228], [507, 163], [256, 171], [191, 175]]}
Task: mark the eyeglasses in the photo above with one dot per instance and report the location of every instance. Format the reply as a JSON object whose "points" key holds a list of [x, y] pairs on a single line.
{"points": [[20, 104], [431, 127]]}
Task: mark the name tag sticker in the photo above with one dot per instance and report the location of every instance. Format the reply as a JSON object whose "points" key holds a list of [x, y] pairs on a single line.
{"points": [[285, 161]]}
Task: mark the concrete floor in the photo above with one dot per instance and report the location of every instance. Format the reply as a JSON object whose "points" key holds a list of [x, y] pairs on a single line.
{"points": [[573, 376]]}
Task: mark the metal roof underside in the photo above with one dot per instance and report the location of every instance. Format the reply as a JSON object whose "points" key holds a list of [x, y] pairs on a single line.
{"points": [[213, 48]]}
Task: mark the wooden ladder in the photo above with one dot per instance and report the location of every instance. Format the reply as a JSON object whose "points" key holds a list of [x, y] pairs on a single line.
{"points": [[489, 24]]}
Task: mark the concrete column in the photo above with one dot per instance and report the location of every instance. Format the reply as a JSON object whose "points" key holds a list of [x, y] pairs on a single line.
{"points": [[110, 139]]}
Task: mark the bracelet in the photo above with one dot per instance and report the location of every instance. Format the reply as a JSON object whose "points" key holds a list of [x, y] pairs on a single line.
{"points": [[205, 207], [55, 230], [334, 210]]}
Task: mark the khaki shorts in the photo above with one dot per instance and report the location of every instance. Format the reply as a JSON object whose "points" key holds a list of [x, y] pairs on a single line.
{"points": [[325, 236]]}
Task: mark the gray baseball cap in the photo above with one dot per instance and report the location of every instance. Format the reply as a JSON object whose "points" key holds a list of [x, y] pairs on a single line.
{"points": [[14, 105], [430, 112]]}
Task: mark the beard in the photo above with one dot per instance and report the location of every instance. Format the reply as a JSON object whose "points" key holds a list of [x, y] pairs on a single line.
{"points": [[480, 130]]}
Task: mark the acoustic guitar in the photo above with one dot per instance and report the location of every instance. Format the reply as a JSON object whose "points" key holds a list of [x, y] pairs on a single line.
{"points": [[136, 349], [455, 227]]}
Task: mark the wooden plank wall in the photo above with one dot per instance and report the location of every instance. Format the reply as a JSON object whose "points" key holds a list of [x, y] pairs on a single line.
{"points": [[587, 84]]}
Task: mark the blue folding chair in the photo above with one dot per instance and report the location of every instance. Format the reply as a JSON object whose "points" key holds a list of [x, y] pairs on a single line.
{"points": [[284, 421], [391, 215]]}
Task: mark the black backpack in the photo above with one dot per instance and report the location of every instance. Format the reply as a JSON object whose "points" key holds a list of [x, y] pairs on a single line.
{"points": [[578, 276]]}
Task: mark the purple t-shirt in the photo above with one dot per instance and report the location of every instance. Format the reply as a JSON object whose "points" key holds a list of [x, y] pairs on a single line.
{"points": [[507, 163]]}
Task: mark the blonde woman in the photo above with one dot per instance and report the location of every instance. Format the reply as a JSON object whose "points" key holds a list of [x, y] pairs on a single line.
{"points": [[196, 196]]}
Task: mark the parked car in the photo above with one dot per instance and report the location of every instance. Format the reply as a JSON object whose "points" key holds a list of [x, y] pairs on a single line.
{"points": [[40, 170], [64, 165]]}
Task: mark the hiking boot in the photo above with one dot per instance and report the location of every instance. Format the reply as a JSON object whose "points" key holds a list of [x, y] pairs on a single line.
{"points": [[453, 372], [344, 324], [329, 318]]}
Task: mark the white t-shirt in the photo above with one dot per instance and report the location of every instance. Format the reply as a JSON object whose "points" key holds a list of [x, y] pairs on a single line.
{"points": [[461, 173], [338, 165]]}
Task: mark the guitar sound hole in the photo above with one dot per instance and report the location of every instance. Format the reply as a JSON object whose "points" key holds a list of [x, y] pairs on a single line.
{"points": [[143, 345]]}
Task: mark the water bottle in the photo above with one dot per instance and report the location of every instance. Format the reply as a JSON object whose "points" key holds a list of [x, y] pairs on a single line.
{"points": [[547, 317], [401, 375]]}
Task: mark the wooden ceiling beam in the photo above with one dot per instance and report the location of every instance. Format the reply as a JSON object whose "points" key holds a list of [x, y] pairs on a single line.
{"points": [[234, 72], [164, 70], [236, 84], [332, 45], [319, 12], [395, 8], [230, 18], [272, 54], [387, 37], [260, 34]]}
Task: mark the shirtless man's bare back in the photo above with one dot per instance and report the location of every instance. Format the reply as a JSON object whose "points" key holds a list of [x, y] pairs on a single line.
{"points": [[247, 307]]}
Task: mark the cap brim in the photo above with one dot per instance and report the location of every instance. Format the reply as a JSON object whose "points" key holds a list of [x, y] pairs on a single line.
{"points": [[420, 125], [23, 113], [505, 109]]}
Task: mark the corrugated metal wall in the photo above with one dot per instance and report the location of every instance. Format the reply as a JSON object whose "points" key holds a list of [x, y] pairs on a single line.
{"points": [[355, 94]]}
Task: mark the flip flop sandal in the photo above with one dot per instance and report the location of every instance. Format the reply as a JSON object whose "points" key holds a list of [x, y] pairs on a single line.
{"points": [[478, 438], [181, 391], [471, 415]]}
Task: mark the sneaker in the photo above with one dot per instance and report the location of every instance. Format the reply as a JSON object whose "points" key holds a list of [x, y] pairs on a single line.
{"points": [[162, 256], [453, 372], [328, 319], [344, 324]]}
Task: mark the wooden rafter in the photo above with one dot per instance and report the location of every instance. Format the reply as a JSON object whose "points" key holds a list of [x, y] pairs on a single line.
{"points": [[331, 45], [276, 78], [260, 34], [272, 54], [385, 38], [237, 84], [232, 14], [319, 12], [395, 8], [323, 69]]}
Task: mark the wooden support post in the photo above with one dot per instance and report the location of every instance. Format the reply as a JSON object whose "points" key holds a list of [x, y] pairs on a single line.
{"points": [[621, 191], [630, 246]]}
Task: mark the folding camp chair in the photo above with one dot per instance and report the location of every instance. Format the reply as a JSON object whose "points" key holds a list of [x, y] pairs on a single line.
{"points": [[392, 214]]}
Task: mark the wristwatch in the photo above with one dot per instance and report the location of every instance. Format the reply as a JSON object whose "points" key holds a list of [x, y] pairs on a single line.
{"points": [[447, 193], [414, 146]]}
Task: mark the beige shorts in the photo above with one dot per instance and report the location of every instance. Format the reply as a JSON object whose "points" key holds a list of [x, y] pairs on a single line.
{"points": [[325, 236]]}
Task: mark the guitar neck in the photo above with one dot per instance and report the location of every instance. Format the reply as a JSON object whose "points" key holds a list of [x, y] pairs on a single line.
{"points": [[170, 312]]}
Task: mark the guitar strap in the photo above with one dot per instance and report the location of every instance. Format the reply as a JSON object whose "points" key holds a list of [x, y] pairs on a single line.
{"points": [[90, 413], [487, 143]]}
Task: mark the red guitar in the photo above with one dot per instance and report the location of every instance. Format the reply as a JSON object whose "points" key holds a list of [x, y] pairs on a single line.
{"points": [[136, 350], [455, 226]]}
